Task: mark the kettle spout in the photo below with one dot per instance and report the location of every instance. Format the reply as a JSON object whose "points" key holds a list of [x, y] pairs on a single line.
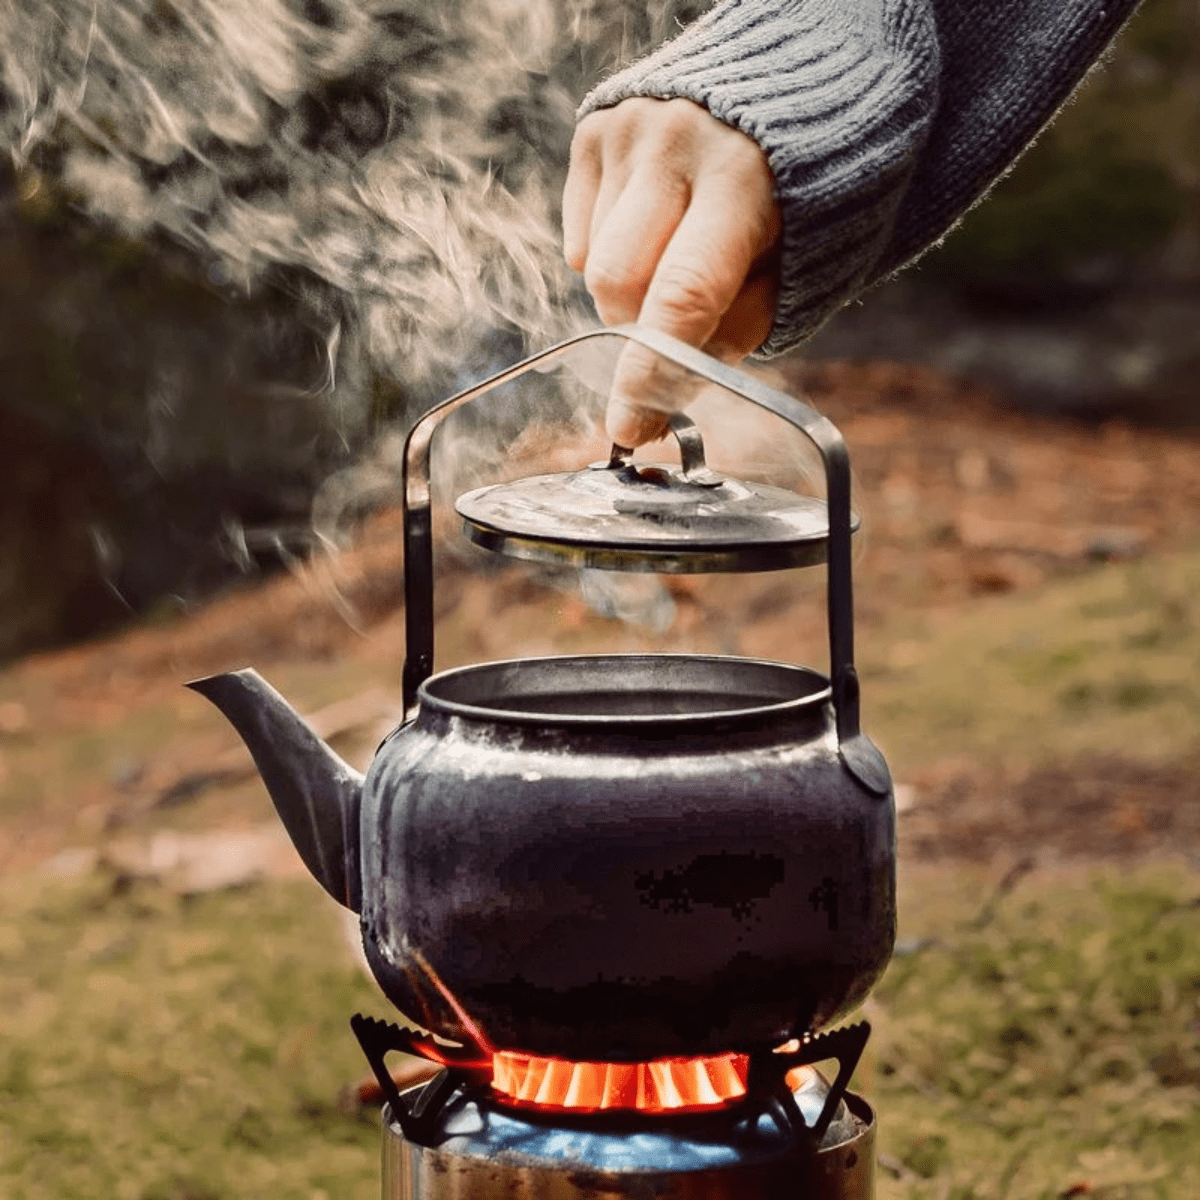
{"points": [[316, 794]]}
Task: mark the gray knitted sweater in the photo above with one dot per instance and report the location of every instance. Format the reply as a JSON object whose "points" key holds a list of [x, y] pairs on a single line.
{"points": [[883, 120]]}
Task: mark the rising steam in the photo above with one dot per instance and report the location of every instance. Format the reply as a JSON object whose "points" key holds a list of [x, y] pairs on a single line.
{"points": [[372, 184], [393, 164]]}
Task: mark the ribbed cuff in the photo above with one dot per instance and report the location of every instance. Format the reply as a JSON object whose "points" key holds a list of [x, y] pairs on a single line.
{"points": [[839, 94]]}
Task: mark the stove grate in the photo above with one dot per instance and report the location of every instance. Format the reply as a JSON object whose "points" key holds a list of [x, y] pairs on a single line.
{"points": [[765, 1077]]}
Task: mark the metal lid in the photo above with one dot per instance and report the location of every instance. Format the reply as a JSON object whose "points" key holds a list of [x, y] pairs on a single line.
{"points": [[625, 516]]}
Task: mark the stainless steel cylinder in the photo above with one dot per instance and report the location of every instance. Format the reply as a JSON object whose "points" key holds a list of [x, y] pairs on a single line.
{"points": [[485, 1151]]}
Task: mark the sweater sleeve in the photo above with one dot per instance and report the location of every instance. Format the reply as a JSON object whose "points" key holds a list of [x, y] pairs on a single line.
{"points": [[1006, 69], [840, 95]]}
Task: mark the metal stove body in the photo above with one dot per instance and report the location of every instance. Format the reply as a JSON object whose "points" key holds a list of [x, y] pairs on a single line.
{"points": [[477, 1148]]}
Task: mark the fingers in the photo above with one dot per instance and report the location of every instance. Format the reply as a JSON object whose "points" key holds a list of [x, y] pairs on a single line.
{"points": [[748, 320], [700, 291], [579, 196], [602, 160], [627, 189], [628, 241], [669, 214], [703, 268], [646, 390]]}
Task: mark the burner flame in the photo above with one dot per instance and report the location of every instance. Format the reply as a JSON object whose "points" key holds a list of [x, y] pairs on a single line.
{"points": [[667, 1085]]}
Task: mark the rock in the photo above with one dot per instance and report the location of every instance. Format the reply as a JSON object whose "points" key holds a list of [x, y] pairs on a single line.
{"points": [[72, 862], [1117, 545]]}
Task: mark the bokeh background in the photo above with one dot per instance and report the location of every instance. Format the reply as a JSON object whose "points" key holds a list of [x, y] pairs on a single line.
{"points": [[242, 245]]}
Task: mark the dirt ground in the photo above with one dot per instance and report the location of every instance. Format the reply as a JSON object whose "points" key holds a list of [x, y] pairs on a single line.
{"points": [[964, 500]]}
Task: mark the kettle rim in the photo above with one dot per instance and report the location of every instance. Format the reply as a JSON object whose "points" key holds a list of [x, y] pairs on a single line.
{"points": [[484, 692]]}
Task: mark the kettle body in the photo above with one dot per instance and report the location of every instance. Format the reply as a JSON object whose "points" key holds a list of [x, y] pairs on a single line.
{"points": [[624, 858]]}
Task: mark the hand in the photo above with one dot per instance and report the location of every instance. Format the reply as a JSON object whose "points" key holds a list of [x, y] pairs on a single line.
{"points": [[671, 216]]}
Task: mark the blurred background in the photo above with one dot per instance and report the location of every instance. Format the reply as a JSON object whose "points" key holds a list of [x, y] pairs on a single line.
{"points": [[215, 299], [242, 245]]}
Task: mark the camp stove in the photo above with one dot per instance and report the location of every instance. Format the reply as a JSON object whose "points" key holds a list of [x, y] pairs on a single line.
{"points": [[625, 898], [730, 1127]]}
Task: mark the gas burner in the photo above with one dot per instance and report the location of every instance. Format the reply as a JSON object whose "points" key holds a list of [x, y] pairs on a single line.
{"points": [[666, 1085], [458, 1137], [734, 1085]]}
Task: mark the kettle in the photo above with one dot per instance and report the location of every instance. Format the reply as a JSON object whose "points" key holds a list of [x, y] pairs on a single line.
{"points": [[620, 857]]}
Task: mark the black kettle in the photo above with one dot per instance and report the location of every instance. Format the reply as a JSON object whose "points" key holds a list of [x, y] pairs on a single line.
{"points": [[614, 857]]}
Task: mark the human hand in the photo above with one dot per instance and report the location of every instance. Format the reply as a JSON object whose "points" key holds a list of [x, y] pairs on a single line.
{"points": [[671, 216]]}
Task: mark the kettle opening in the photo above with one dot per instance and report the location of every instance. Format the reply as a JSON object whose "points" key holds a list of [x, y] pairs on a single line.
{"points": [[638, 688]]}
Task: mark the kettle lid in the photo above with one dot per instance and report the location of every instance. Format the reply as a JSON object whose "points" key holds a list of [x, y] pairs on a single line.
{"points": [[625, 516]]}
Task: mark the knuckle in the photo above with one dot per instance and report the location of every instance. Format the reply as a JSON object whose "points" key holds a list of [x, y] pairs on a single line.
{"points": [[680, 119], [683, 289], [610, 133], [586, 143], [749, 174], [591, 128], [678, 131], [611, 285], [740, 162]]}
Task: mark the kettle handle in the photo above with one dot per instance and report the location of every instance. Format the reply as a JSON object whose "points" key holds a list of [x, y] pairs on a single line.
{"points": [[860, 756]]}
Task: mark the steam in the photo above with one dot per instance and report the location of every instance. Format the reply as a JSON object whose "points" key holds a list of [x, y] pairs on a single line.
{"points": [[392, 167], [636, 599], [393, 164], [365, 155]]}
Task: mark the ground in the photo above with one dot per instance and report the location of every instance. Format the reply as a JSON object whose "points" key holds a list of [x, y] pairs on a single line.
{"points": [[1028, 630]]}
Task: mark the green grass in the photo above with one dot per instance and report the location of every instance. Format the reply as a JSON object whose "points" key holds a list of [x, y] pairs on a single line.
{"points": [[1108, 663], [153, 1048], [1049, 1040]]}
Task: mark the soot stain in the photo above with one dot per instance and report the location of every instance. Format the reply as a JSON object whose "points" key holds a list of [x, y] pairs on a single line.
{"points": [[824, 898], [732, 881]]}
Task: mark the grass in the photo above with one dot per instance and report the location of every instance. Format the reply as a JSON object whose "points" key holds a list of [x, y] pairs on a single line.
{"points": [[1028, 1040], [1046, 1041], [1107, 663], [153, 1048]]}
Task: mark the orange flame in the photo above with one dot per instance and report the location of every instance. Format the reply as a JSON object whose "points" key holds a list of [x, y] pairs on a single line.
{"points": [[668, 1085]]}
